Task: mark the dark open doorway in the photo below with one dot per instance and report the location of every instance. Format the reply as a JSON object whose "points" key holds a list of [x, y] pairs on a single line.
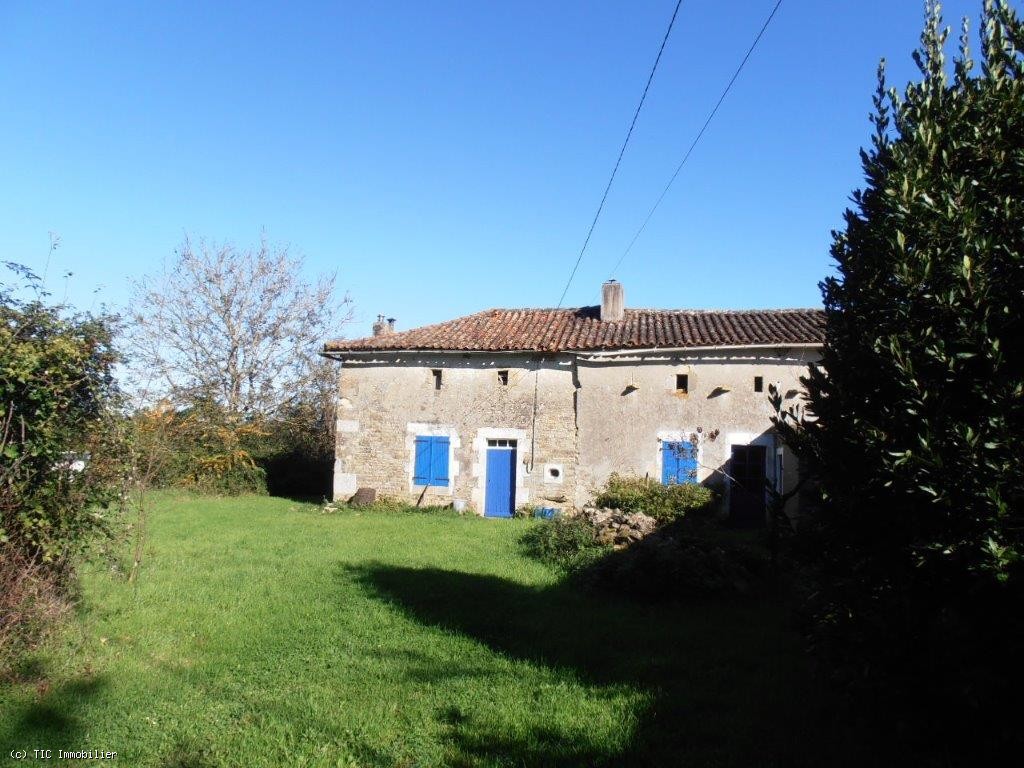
{"points": [[746, 496]]}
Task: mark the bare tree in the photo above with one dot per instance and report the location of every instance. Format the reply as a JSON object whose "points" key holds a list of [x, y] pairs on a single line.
{"points": [[236, 327]]}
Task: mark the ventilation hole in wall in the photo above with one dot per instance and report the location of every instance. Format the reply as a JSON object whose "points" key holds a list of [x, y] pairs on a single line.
{"points": [[554, 472], [682, 382], [503, 378], [437, 378], [759, 383]]}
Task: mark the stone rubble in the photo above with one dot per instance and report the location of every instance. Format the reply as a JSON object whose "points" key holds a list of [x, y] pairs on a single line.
{"points": [[615, 527]]}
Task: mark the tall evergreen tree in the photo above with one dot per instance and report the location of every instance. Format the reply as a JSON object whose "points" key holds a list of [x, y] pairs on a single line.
{"points": [[919, 399]]}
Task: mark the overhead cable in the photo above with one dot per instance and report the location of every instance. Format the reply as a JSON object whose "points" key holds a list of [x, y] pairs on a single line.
{"points": [[697, 139], [622, 152]]}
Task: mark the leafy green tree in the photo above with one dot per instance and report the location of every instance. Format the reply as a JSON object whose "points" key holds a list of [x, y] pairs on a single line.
{"points": [[917, 433]]}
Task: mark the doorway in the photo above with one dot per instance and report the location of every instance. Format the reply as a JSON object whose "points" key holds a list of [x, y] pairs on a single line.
{"points": [[746, 496], [500, 491]]}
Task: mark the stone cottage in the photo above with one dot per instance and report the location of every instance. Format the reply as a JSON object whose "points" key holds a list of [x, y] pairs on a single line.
{"points": [[537, 407]]}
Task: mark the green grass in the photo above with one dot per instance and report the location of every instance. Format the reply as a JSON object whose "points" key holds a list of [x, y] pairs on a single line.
{"points": [[263, 633]]}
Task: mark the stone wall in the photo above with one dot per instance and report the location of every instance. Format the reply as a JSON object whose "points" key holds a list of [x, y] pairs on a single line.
{"points": [[385, 402], [596, 415], [629, 404]]}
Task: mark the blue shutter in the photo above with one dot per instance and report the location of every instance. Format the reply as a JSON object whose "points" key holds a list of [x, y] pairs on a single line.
{"points": [[687, 470], [439, 461], [678, 463], [669, 463], [421, 468], [431, 465]]}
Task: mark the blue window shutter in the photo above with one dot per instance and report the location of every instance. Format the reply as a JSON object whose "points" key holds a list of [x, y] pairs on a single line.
{"points": [[678, 463], [421, 467], [669, 463], [439, 461], [431, 464], [687, 472]]}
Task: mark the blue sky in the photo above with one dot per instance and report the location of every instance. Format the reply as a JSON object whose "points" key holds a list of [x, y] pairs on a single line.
{"points": [[443, 157]]}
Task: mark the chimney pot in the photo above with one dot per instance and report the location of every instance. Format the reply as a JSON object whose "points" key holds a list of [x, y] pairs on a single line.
{"points": [[391, 325], [613, 302], [380, 328]]}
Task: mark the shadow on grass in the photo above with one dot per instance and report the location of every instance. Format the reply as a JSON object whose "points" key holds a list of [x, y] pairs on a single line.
{"points": [[55, 720], [729, 682]]}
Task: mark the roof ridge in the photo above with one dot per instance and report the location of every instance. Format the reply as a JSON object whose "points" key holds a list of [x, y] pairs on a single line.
{"points": [[579, 329], [714, 310]]}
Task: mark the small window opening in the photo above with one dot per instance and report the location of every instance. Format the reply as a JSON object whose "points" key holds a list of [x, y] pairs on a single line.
{"points": [[682, 382], [437, 378], [759, 383], [503, 378]]}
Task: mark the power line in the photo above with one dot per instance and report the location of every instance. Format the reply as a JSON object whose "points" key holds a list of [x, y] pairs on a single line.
{"points": [[622, 151], [600, 207], [700, 133]]}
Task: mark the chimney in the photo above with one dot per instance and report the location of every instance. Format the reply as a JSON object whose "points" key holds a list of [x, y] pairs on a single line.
{"points": [[391, 325], [380, 328], [613, 302]]}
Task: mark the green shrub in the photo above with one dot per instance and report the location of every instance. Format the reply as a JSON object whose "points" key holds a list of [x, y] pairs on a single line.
{"points": [[63, 453], [566, 542], [917, 435], [232, 479], [662, 502], [58, 411], [202, 448]]}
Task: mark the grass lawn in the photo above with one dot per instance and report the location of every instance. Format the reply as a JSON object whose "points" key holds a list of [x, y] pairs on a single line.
{"points": [[264, 633]]}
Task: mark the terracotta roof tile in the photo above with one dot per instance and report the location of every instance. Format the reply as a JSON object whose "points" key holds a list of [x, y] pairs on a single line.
{"points": [[569, 330]]}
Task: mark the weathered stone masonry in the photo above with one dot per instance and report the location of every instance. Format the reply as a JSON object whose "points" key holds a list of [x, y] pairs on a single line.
{"points": [[580, 393], [595, 415], [384, 402]]}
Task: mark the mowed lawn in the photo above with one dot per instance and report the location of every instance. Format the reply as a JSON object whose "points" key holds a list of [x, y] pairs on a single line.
{"points": [[264, 633]]}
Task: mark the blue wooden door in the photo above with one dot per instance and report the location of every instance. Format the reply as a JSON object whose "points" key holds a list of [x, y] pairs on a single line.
{"points": [[678, 463], [500, 496]]}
